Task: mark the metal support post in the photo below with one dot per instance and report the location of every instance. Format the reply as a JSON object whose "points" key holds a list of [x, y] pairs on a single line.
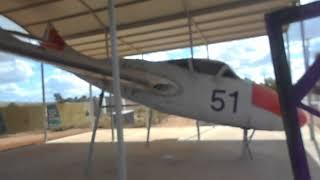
{"points": [[190, 63], [91, 114], [90, 91], [305, 47], [288, 106], [288, 50], [149, 123], [121, 153], [207, 49], [246, 143], [198, 130], [44, 107], [110, 111], [93, 136]]}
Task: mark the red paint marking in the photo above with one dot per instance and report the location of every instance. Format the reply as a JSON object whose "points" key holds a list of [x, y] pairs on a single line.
{"points": [[267, 99]]}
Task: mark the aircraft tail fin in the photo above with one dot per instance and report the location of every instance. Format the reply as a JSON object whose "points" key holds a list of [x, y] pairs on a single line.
{"points": [[53, 39]]}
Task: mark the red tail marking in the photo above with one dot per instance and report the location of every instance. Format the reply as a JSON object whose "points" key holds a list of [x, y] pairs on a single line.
{"points": [[54, 40]]}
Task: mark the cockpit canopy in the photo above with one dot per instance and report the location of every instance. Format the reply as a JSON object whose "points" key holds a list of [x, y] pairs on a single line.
{"points": [[204, 66]]}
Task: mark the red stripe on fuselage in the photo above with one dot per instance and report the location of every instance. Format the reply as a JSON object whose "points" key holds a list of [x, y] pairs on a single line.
{"points": [[267, 99]]}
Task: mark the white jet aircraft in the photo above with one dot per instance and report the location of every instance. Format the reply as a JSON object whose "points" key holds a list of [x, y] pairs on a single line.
{"points": [[212, 93]]}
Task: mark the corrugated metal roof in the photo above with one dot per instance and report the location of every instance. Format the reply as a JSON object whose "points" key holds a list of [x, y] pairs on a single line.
{"points": [[143, 25]]}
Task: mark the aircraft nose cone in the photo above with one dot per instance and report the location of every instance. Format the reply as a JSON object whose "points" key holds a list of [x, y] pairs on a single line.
{"points": [[267, 99]]}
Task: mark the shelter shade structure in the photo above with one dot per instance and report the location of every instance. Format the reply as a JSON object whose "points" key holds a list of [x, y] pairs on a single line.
{"points": [[145, 26], [291, 95], [159, 25]]}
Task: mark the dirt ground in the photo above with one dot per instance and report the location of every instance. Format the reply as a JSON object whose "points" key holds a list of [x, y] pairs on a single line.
{"points": [[29, 138], [173, 154], [176, 121]]}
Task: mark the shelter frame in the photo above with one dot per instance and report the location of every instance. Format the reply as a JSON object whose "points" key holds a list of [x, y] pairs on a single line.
{"points": [[289, 95]]}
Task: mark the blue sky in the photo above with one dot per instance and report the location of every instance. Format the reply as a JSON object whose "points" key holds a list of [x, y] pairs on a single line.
{"points": [[250, 58]]}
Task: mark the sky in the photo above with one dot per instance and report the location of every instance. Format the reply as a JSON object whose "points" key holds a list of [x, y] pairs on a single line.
{"points": [[20, 77]]}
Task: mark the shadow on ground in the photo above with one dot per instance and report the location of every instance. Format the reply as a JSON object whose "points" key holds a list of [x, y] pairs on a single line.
{"points": [[163, 160]]}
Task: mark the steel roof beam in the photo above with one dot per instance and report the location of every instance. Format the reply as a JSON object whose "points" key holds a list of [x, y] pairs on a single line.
{"points": [[174, 46], [255, 32], [52, 20], [104, 27], [199, 31], [184, 34], [29, 6], [192, 21], [258, 33], [179, 26], [181, 15], [131, 35]]}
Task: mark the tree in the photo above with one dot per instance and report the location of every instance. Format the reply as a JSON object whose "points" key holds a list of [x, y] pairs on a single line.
{"points": [[270, 82], [60, 99]]}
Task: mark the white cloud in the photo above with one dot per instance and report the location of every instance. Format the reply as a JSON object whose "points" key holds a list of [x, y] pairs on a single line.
{"points": [[307, 1], [65, 83], [250, 58], [257, 73], [12, 92], [296, 47], [6, 23], [297, 69], [164, 55], [96, 91], [13, 88], [13, 69], [200, 52], [247, 50], [157, 56], [138, 56]]}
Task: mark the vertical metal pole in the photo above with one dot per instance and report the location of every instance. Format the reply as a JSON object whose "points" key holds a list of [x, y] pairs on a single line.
{"points": [[107, 44], [149, 123], [309, 98], [122, 171], [44, 107], [198, 130], [93, 136], [91, 106], [90, 91], [296, 149], [288, 50], [110, 110], [305, 47], [245, 144], [190, 63], [110, 96], [208, 54]]}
